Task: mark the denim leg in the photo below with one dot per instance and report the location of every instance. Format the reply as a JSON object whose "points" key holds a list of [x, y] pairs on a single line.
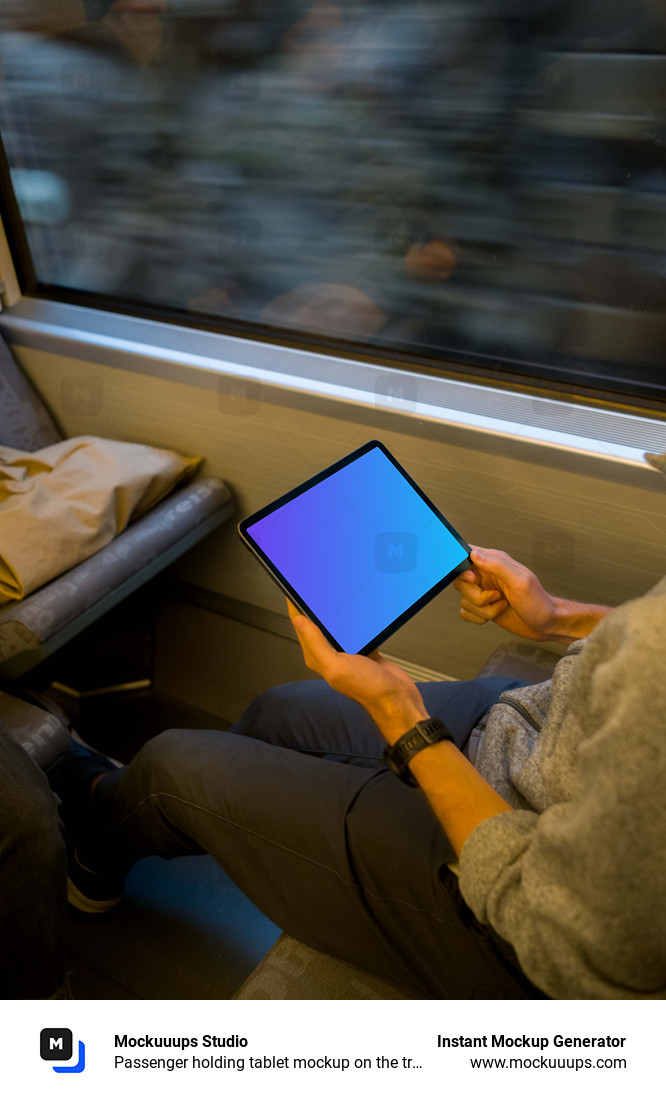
{"points": [[343, 857], [311, 717], [32, 879]]}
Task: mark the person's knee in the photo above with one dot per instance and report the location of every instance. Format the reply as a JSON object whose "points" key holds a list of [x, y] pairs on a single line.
{"points": [[162, 756], [271, 709]]}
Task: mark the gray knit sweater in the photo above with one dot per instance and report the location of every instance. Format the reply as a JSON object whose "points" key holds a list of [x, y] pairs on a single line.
{"points": [[575, 877]]}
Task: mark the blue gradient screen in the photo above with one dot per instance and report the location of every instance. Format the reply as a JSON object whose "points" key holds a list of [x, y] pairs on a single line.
{"points": [[360, 548]]}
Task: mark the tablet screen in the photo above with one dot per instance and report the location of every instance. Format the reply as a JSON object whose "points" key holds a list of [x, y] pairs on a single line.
{"points": [[360, 548]]}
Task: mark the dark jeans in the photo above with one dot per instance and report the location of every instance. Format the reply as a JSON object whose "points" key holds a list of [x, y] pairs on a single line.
{"points": [[295, 803], [32, 879]]}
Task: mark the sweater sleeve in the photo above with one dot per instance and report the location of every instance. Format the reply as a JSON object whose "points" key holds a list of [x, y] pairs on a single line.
{"points": [[579, 889]]}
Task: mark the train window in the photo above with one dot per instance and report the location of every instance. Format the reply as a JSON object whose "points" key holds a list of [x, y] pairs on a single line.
{"points": [[474, 183]]}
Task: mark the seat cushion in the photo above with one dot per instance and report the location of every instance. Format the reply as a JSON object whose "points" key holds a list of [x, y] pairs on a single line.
{"points": [[521, 660], [26, 625], [291, 971]]}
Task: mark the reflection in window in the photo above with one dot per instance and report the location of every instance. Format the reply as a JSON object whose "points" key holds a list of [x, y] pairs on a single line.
{"points": [[457, 177]]}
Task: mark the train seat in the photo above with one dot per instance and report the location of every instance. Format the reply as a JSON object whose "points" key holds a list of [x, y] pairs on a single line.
{"points": [[36, 627]]}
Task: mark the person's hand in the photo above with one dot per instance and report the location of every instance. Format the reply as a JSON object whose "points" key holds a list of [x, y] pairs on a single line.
{"points": [[389, 695], [503, 591]]}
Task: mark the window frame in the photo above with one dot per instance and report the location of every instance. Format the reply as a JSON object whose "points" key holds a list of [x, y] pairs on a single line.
{"points": [[539, 380]]}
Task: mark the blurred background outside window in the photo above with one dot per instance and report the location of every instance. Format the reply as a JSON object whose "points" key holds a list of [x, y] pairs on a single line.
{"points": [[480, 181]]}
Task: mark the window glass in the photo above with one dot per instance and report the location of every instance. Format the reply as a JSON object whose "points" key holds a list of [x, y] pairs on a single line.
{"points": [[472, 179]]}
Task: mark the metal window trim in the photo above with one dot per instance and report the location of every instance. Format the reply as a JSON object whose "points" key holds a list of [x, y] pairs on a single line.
{"points": [[565, 435]]}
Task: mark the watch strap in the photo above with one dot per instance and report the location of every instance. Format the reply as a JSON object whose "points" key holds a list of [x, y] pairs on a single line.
{"points": [[425, 733]]}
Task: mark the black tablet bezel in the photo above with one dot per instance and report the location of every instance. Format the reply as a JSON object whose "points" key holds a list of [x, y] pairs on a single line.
{"points": [[283, 583]]}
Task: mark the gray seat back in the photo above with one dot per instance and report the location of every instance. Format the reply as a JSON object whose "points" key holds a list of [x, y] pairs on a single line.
{"points": [[25, 422]]}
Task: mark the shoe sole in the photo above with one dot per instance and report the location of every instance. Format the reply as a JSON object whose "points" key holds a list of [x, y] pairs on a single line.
{"points": [[88, 905]]}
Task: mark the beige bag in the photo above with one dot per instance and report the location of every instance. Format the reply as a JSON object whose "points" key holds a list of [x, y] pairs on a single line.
{"points": [[63, 503]]}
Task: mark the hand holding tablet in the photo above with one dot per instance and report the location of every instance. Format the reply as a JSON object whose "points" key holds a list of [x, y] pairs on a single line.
{"points": [[385, 691], [359, 548]]}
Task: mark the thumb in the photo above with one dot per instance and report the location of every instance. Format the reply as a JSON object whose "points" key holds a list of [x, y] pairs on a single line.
{"points": [[502, 568], [313, 642]]}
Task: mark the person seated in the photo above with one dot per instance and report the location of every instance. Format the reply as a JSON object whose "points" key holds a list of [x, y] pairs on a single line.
{"points": [[537, 870]]}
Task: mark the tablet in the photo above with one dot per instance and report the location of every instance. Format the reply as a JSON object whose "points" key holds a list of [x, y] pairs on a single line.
{"points": [[359, 548]]}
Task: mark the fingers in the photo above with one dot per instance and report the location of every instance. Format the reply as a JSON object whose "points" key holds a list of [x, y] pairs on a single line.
{"points": [[317, 650], [482, 615], [485, 609], [294, 613], [474, 575], [469, 577], [377, 657], [476, 600], [470, 618], [499, 565], [480, 597], [478, 605]]}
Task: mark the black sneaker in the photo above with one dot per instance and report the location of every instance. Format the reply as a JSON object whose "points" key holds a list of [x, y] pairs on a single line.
{"points": [[92, 891], [93, 884]]}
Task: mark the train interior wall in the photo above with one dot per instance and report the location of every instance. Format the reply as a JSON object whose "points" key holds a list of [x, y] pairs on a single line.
{"points": [[222, 631]]}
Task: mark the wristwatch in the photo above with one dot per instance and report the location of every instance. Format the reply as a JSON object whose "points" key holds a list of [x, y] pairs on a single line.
{"points": [[425, 733]]}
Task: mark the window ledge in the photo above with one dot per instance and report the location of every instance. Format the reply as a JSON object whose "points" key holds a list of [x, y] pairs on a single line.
{"points": [[551, 432]]}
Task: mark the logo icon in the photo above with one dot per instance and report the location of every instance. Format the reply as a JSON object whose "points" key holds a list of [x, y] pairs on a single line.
{"points": [[238, 396], [395, 552], [396, 392], [82, 80], [56, 1045], [82, 394], [553, 552]]}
